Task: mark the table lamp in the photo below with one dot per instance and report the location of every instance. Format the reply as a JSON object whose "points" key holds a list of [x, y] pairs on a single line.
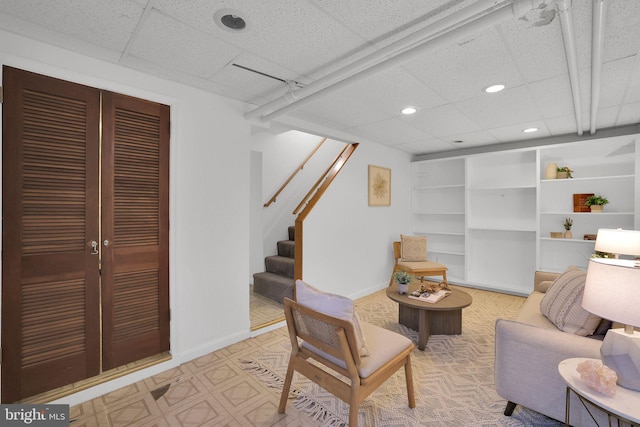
{"points": [[612, 291]]}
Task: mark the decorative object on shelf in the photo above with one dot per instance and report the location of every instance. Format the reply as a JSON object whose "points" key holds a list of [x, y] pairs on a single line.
{"points": [[598, 377], [379, 186], [596, 203], [611, 291], [568, 222], [403, 279], [564, 172], [550, 171], [556, 234], [590, 236], [580, 202]]}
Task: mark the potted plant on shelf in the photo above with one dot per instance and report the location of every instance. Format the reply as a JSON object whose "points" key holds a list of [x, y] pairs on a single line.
{"points": [[564, 172], [568, 222], [596, 203], [403, 279]]}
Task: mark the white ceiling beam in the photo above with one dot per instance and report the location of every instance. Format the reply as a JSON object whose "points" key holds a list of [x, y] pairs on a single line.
{"points": [[597, 43]]}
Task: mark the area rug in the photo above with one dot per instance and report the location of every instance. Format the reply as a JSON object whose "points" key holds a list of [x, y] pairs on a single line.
{"points": [[453, 377]]}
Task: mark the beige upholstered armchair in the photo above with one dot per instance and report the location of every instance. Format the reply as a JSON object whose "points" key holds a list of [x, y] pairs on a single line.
{"points": [[365, 354]]}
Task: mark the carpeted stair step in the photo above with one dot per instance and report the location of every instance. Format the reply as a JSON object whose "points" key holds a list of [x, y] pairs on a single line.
{"points": [[286, 248], [273, 286], [279, 265]]}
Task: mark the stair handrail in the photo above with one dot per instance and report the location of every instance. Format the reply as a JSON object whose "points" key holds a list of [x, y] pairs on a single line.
{"points": [[293, 174], [319, 181], [322, 185]]}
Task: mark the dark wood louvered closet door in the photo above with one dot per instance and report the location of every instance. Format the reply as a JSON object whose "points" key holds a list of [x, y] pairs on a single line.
{"points": [[135, 222], [71, 310], [50, 279]]}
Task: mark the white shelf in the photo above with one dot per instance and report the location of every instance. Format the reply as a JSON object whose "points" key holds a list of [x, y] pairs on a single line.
{"points": [[589, 178], [563, 240], [504, 187], [438, 187], [446, 253], [440, 233], [523, 229]]}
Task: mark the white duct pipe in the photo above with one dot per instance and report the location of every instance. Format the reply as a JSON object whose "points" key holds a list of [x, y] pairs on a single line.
{"points": [[382, 56], [569, 38], [597, 43]]}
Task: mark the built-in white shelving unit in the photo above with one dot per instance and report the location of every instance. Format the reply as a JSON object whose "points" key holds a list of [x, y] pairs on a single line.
{"points": [[439, 211], [489, 216]]}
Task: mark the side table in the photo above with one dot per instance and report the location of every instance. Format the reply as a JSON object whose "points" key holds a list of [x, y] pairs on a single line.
{"points": [[624, 405]]}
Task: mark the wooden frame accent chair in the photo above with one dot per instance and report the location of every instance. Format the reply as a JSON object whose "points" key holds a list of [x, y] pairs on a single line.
{"points": [[410, 254], [333, 342]]}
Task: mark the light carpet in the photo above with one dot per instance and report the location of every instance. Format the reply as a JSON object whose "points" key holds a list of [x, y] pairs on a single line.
{"points": [[453, 377]]}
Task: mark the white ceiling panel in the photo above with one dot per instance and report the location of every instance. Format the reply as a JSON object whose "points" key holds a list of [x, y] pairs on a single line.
{"points": [[515, 132], [305, 40], [442, 121], [392, 131], [168, 42], [511, 106], [108, 23]]}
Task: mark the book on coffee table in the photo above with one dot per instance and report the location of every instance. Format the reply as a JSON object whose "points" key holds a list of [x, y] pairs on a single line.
{"points": [[431, 297]]}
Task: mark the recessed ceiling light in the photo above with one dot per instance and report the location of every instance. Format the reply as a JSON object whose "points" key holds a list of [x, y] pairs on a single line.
{"points": [[409, 110], [230, 20], [530, 130], [458, 141], [494, 88]]}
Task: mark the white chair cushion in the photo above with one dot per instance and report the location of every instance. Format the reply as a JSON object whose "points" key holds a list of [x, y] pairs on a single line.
{"points": [[383, 344]]}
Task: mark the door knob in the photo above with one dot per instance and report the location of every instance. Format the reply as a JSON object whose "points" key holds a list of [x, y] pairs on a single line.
{"points": [[94, 247]]}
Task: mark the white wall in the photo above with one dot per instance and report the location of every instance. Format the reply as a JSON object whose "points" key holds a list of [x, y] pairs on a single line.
{"points": [[347, 243]]}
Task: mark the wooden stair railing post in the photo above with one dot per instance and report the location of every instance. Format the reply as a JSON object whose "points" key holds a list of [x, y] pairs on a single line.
{"points": [[326, 179], [298, 169]]}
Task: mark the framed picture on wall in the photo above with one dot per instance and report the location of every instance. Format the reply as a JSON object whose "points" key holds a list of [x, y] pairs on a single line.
{"points": [[379, 186]]}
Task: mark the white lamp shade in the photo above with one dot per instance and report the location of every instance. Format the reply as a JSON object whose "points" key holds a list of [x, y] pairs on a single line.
{"points": [[618, 241], [612, 290]]}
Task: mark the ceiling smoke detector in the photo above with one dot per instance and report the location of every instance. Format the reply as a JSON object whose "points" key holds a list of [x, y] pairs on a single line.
{"points": [[230, 20]]}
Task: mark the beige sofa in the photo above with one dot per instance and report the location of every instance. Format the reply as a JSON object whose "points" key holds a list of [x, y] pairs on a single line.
{"points": [[528, 350]]}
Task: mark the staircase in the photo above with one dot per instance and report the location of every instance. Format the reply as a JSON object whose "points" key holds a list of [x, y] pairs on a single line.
{"points": [[277, 281]]}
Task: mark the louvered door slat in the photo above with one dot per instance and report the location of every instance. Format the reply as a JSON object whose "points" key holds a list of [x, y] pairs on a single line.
{"points": [[135, 289], [50, 315]]}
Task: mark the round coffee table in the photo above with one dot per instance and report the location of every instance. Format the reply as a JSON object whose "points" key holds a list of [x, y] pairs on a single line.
{"points": [[441, 318]]}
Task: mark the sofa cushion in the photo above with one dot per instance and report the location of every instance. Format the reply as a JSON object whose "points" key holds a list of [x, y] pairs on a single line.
{"points": [[332, 305], [530, 313], [562, 304], [413, 248]]}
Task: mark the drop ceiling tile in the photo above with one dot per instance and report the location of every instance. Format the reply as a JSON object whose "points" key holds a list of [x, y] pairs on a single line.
{"points": [[607, 117], [514, 132], [382, 21], [392, 90], [538, 50], [629, 114], [263, 88], [389, 132], [292, 33], [349, 111], [622, 35], [506, 108], [615, 76], [561, 125], [434, 145], [552, 96], [633, 89], [471, 139], [463, 69], [108, 23], [170, 43], [441, 121]]}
